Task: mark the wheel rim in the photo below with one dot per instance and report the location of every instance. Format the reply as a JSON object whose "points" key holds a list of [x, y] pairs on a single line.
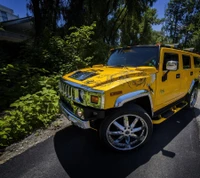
{"points": [[127, 132], [193, 98]]}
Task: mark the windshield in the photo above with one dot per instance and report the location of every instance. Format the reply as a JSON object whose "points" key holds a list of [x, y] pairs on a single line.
{"points": [[135, 56]]}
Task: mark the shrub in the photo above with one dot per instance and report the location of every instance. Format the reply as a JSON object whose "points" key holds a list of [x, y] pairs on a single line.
{"points": [[18, 80], [28, 113]]}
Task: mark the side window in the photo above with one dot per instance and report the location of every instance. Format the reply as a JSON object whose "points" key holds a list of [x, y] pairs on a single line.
{"points": [[196, 62], [186, 62], [169, 57]]}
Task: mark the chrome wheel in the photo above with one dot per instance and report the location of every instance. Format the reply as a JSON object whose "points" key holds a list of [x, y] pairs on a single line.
{"points": [[127, 132], [193, 97]]}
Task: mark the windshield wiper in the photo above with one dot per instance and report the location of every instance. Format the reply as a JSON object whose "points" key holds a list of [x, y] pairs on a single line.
{"points": [[122, 66]]}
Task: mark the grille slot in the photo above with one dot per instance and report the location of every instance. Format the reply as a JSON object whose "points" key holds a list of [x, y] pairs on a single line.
{"points": [[66, 90]]}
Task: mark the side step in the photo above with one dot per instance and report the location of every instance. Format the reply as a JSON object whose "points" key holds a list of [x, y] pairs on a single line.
{"points": [[165, 115]]}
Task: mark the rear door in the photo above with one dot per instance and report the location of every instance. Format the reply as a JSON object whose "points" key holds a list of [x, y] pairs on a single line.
{"points": [[187, 72]]}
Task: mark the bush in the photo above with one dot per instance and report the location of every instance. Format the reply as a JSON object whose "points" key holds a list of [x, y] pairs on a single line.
{"points": [[28, 113], [18, 80], [33, 73], [74, 51], [6, 56]]}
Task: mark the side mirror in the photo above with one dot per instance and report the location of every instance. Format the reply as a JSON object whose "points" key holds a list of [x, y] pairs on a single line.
{"points": [[172, 65]]}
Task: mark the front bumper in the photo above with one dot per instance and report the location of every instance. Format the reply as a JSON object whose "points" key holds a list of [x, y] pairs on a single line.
{"points": [[73, 118]]}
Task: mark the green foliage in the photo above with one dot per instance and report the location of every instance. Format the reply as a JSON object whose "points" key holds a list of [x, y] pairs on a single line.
{"points": [[74, 51], [182, 22], [6, 56], [18, 80], [30, 82], [28, 113], [109, 15], [139, 30]]}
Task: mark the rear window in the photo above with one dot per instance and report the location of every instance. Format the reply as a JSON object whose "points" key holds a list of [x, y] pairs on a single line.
{"points": [[196, 62]]}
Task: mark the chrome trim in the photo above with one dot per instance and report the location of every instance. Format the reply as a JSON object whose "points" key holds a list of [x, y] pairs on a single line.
{"points": [[77, 121], [133, 95], [86, 88]]}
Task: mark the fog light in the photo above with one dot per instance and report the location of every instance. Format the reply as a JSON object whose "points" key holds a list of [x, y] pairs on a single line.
{"points": [[80, 113]]}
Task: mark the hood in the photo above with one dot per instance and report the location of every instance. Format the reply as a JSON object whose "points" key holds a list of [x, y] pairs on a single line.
{"points": [[100, 75]]}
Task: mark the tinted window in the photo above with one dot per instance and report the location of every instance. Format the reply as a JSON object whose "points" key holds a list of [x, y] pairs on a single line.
{"points": [[196, 62], [186, 62], [169, 57], [135, 56]]}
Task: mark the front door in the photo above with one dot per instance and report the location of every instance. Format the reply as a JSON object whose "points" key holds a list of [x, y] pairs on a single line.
{"points": [[168, 87]]}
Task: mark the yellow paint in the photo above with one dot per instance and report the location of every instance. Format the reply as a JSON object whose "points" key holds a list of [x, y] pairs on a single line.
{"points": [[174, 109], [129, 79], [159, 121]]}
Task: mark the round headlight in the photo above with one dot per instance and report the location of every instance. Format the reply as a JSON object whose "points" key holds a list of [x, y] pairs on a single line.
{"points": [[82, 94]]}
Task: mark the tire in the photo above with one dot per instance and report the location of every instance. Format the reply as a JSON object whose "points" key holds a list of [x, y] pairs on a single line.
{"points": [[191, 98], [126, 129]]}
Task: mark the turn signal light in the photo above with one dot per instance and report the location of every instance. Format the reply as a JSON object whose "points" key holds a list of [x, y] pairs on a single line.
{"points": [[94, 99]]}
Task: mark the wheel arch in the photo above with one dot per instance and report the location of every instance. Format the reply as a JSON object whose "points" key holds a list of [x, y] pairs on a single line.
{"points": [[194, 82], [140, 97]]}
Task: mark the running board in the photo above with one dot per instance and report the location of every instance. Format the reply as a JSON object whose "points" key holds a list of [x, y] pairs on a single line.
{"points": [[165, 115]]}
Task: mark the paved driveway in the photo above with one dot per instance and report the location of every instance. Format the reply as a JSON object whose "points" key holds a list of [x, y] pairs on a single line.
{"points": [[174, 152]]}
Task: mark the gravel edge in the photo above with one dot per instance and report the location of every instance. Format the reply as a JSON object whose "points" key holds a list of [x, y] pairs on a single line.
{"points": [[38, 136]]}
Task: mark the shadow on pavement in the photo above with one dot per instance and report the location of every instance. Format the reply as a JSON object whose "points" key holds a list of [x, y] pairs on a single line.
{"points": [[81, 153]]}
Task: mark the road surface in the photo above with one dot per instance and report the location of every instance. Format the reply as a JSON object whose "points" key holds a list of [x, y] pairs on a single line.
{"points": [[173, 152]]}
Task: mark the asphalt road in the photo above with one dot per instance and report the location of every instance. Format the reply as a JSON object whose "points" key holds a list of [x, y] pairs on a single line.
{"points": [[174, 152]]}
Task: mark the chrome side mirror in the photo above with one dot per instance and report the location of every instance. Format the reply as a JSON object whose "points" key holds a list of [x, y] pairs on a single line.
{"points": [[172, 65]]}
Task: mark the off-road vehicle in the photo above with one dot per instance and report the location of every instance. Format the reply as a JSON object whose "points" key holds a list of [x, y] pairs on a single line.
{"points": [[139, 86]]}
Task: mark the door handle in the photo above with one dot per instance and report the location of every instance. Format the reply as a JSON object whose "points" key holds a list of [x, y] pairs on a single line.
{"points": [[178, 75], [191, 73]]}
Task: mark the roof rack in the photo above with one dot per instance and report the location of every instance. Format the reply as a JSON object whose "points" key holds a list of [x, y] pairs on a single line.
{"points": [[189, 49], [180, 47], [176, 46]]}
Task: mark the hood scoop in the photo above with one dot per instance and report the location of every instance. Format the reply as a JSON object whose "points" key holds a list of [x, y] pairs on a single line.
{"points": [[82, 75]]}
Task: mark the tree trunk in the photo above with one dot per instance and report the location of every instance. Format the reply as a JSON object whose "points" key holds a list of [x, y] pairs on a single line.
{"points": [[37, 18]]}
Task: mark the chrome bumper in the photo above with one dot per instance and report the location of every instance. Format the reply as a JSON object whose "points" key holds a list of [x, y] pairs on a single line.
{"points": [[70, 116]]}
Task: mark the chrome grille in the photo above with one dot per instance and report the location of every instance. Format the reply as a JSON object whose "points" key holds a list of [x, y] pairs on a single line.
{"points": [[66, 90]]}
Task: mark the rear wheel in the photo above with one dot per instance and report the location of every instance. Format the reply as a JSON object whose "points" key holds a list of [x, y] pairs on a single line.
{"points": [[127, 129], [192, 97]]}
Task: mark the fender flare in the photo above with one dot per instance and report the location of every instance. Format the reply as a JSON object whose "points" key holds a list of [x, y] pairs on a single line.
{"points": [[121, 100], [192, 85]]}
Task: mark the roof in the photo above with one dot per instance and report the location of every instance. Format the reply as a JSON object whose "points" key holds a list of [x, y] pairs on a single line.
{"points": [[19, 25], [17, 21], [6, 8]]}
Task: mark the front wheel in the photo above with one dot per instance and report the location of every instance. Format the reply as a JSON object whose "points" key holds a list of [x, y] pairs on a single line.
{"points": [[127, 129]]}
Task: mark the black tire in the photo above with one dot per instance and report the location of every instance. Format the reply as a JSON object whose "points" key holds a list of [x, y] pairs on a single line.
{"points": [[137, 128], [191, 98]]}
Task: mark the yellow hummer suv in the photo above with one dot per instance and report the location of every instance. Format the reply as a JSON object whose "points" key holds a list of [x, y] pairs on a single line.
{"points": [[139, 86]]}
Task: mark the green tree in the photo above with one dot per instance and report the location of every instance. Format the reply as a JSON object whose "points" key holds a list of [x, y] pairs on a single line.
{"points": [[139, 31], [46, 15], [182, 21]]}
